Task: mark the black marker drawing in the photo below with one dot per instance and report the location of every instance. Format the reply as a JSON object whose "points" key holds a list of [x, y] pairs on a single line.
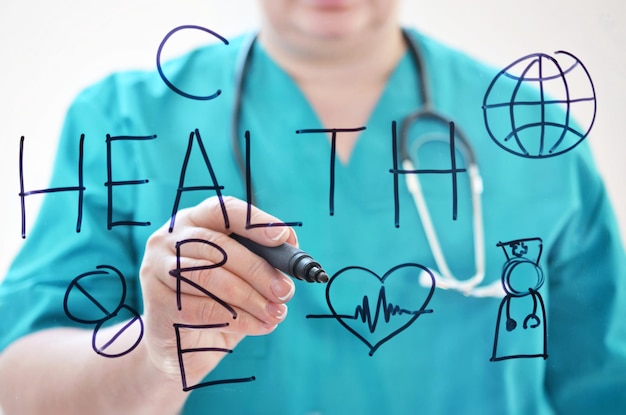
{"points": [[110, 183], [178, 273], [179, 328], [409, 164], [377, 309], [79, 188], [183, 172], [250, 194], [534, 134], [82, 306], [164, 77], [333, 150], [182, 351], [522, 313], [132, 327]]}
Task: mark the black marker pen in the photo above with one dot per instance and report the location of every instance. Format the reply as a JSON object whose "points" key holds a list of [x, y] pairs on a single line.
{"points": [[288, 259]]}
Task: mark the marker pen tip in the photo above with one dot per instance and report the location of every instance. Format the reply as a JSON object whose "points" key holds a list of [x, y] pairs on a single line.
{"points": [[318, 275]]}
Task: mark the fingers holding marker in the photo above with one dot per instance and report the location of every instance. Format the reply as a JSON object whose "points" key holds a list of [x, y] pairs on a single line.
{"points": [[228, 215], [209, 263], [251, 286], [288, 259], [255, 319], [262, 239], [210, 288], [238, 266], [270, 239], [208, 253]]}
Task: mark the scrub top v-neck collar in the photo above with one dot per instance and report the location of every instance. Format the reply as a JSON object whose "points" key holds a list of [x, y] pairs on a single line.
{"points": [[279, 93]]}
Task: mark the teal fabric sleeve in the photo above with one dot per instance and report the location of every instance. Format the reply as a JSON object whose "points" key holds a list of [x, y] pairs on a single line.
{"points": [[32, 294], [588, 305]]}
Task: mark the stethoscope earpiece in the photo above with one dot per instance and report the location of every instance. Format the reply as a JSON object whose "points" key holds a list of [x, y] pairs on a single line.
{"points": [[511, 324], [534, 317]]}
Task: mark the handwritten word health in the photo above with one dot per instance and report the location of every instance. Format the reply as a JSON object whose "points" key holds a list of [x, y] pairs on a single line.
{"points": [[214, 185]]}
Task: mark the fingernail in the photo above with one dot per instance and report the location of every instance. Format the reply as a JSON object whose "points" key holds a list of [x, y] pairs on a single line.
{"points": [[278, 311], [275, 232], [270, 327], [282, 287]]}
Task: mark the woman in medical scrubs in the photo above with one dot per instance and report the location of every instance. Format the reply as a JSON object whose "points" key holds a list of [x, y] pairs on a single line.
{"points": [[217, 336]]}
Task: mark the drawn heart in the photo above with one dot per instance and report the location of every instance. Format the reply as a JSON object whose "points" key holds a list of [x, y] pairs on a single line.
{"points": [[387, 306]]}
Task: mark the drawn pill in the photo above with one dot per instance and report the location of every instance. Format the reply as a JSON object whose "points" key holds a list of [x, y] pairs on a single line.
{"points": [[84, 300], [122, 338]]}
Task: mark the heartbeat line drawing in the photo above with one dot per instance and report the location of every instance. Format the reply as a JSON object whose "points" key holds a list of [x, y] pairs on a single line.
{"points": [[363, 313], [376, 326]]}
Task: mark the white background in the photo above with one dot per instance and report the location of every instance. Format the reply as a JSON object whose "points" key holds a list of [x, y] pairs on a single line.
{"points": [[50, 50]]}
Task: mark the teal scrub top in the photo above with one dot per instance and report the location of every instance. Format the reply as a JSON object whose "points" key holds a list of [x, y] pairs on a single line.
{"points": [[374, 340]]}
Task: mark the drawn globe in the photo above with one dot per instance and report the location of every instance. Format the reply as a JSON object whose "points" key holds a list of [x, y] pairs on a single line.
{"points": [[528, 106]]}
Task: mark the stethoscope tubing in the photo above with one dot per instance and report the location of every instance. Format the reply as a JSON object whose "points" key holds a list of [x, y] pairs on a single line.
{"points": [[444, 279]]}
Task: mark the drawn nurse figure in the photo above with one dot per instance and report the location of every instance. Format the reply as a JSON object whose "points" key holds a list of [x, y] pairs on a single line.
{"points": [[521, 327]]}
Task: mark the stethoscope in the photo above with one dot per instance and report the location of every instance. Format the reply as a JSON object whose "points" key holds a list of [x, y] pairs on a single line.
{"points": [[444, 278]]}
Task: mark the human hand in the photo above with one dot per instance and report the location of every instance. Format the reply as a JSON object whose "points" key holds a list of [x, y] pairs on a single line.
{"points": [[235, 288]]}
